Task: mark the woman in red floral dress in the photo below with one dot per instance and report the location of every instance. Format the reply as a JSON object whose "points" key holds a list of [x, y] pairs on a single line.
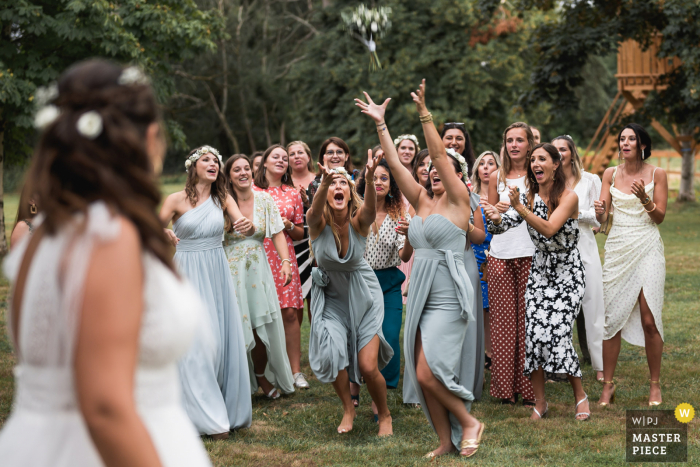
{"points": [[275, 177]]}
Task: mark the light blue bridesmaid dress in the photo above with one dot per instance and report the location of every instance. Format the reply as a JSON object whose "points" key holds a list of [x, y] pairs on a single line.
{"points": [[347, 308], [214, 373], [440, 304]]}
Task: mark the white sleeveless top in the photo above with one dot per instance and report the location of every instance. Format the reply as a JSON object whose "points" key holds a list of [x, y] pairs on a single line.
{"points": [[45, 404], [515, 242]]}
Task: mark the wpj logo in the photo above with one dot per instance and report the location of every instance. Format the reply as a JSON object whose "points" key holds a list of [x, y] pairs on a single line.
{"points": [[656, 436]]}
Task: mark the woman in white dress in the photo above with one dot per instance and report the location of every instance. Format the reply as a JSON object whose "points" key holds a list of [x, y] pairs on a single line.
{"points": [[587, 187], [634, 272], [99, 316]]}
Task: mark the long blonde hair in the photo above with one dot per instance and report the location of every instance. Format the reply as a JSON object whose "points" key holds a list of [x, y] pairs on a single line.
{"points": [[354, 204], [576, 164], [506, 162], [476, 181]]}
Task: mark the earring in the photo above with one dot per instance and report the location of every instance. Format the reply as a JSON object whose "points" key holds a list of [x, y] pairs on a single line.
{"points": [[618, 156], [390, 196], [642, 153], [554, 174], [32, 208]]}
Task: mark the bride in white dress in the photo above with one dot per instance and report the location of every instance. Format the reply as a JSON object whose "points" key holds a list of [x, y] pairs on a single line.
{"points": [[98, 317]]}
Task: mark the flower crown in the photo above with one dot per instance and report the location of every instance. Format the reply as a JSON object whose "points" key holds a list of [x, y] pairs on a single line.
{"points": [[413, 138], [90, 123], [341, 171], [200, 152], [462, 164]]}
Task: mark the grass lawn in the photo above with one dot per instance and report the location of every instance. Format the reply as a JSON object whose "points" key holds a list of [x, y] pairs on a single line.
{"points": [[300, 429]]}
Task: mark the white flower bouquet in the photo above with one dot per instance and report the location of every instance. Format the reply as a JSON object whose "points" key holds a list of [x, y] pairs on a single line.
{"points": [[365, 24]]}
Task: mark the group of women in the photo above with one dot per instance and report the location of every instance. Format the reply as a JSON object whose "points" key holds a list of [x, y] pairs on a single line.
{"points": [[131, 352]]}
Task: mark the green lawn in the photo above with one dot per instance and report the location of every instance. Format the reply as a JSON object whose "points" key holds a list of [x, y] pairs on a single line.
{"points": [[300, 429]]}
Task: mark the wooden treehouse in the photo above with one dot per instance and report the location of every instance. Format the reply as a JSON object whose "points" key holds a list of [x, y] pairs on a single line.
{"points": [[638, 73]]}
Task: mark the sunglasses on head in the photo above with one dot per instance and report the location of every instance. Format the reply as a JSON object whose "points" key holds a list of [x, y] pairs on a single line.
{"points": [[451, 125]]}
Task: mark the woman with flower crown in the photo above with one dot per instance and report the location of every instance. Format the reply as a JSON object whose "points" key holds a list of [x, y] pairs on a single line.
{"points": [[214, 373], [347, 304], [440, 297]]}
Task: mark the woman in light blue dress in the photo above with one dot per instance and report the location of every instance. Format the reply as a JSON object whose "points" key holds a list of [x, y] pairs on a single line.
{"points": [[214, 373], [440, 297], [347, 304]]}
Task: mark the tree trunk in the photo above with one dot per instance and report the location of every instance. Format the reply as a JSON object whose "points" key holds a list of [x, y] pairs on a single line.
{"points": [[3, 238], [687, 191]]}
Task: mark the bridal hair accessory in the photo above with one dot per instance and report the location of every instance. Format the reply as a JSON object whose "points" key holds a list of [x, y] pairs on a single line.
{"points": [[47, 113], [413, 138], [364, 23], [462, 164], [46, 116], [200, 152], [90, 124], [341, 171], [132, 75]]}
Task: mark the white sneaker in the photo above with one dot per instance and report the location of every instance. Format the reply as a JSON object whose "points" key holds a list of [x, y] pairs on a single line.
{"points": [[300, 381]]}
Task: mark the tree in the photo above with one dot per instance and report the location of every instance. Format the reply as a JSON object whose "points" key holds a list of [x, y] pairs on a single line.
{"points": [[576, 31], [40, 38]]}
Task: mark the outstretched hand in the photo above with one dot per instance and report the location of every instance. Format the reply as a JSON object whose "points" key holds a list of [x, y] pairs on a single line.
{"points": [[326, 176], [372, 164], [419, 99], [370, 108]]}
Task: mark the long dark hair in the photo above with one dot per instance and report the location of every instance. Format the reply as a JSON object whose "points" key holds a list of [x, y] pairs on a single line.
{"points": [[394, 199], [458, 169], [559, 184], [70, 171], [227, 173], [468, 152], [26, 202], [417, 161], [643, 139], [261, 180], [218, 188], [342, 145]]}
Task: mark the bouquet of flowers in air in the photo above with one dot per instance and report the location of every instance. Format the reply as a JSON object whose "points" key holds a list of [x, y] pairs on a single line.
{"points": [[365, 24]]}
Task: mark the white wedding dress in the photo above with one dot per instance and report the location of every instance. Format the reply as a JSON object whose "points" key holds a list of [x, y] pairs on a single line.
{"points": [[46, 427]]}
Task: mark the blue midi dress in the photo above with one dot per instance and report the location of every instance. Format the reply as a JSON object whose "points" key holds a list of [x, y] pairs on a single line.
{"points": [[347, 308], [214, 372], [440, 304]]}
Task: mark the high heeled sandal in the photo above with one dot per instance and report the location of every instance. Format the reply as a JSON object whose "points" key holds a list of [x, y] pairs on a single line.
{"points": [[612, 396], [582, 413], [655, 403], [546, 409], [273, 394], [472, 443], [355, 400]]}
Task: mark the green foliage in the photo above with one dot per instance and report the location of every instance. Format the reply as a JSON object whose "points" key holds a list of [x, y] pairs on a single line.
{"points": [[40, 39]]}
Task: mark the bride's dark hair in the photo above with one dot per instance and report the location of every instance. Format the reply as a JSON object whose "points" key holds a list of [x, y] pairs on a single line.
{"points": [[70, 171]]}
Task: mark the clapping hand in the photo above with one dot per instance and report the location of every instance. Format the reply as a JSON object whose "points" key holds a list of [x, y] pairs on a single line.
{"points": [[304, 196], [638, 190], [490, 211], [370, 108], [372, 164], [514, 196], [402, 229], [244, 226], [419, 98]]}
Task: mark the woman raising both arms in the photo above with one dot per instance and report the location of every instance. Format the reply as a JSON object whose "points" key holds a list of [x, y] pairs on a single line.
{"points": [[440, 297]]}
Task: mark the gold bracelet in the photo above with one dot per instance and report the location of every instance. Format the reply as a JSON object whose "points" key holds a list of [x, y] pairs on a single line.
{"points": [[426, 118], [527, 211], [470, 229], [287, 260], [500, 219], [652, 209], [648, 201]]}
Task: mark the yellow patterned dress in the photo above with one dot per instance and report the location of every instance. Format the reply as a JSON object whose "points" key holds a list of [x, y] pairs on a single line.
{"points": [[256, 293]]}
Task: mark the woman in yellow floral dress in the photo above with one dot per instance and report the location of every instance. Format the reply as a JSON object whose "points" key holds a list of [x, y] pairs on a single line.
{"points": [[255, 288]]}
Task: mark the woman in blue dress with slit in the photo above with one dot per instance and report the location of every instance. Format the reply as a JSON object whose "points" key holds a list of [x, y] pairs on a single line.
{"points": [[441, 297]]}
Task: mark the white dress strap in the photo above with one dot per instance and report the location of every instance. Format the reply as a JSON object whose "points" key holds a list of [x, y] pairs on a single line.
{"points": [[653, 174]]}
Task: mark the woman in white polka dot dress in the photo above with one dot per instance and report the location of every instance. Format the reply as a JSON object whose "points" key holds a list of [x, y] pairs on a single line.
{"points": [[634, 272]]}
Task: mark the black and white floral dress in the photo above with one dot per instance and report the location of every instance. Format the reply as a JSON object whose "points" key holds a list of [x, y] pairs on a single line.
{"points": [[554, 293]]}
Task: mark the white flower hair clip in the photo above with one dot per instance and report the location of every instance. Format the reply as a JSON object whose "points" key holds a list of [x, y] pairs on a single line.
{"points": [[341, 171], [200, 152], [46, 116], [90, 124], [132, 75], [413, 138]]}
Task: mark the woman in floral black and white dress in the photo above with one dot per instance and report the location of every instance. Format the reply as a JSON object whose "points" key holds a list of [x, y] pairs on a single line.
{"points": [[557, 279]]}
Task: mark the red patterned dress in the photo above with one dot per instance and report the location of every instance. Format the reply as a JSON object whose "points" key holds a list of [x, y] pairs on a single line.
{"points": [[288, 201]]}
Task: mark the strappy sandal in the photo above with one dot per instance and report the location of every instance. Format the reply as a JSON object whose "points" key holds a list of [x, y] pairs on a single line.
{"points": [[355, 400], [612, 396], [273, 394], [487, 363], [472, 443], [543, 414], [582, 413], [655, 403]]}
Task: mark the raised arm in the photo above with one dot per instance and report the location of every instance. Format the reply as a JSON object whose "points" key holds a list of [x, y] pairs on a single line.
{"points": [[404, 179], [568, 208], [368, 212], [457, 192], [314, 216]]}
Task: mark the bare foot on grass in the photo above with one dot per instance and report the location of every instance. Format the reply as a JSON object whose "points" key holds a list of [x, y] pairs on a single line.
{"points": [[346, 423], [385, 426]]}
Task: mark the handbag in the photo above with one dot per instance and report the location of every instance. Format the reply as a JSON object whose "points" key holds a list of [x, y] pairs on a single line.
{"points": [[607, 225]]}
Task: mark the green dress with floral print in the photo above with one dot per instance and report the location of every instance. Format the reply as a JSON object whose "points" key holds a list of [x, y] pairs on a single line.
{"points": [[256, 293]]}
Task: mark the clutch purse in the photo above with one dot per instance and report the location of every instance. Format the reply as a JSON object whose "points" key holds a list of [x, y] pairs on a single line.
{"points": [[607, 225]]}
